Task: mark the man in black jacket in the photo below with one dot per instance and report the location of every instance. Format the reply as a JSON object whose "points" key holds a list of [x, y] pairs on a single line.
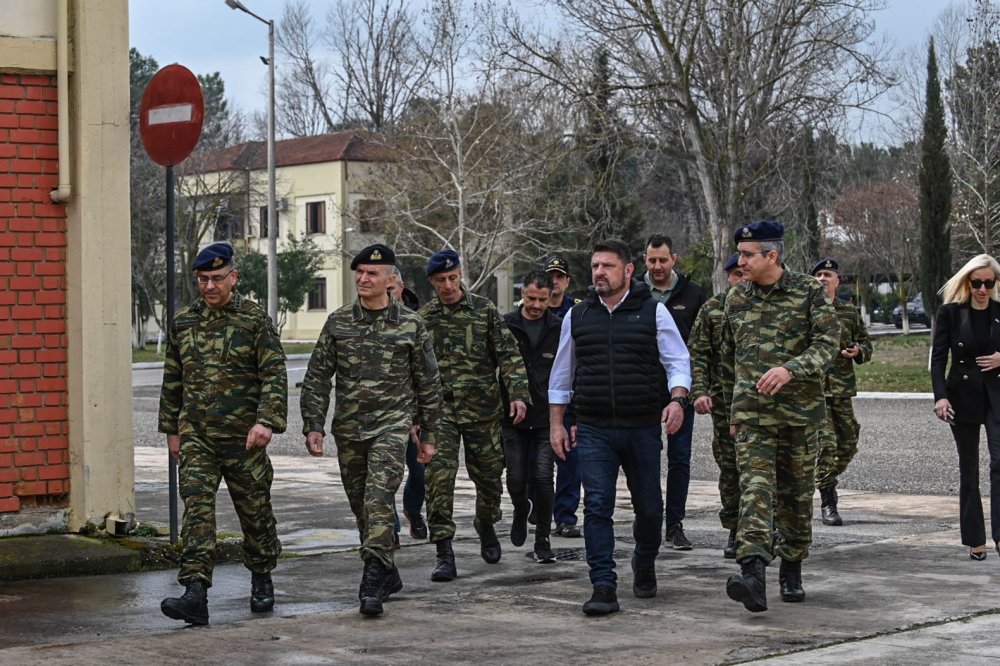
{"points": [[683, 299], [626, 369], [526, 445]]}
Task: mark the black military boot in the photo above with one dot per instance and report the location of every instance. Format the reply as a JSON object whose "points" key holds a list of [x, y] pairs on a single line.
{"points": [[261, 592], [445, 569], [732, 545], [192, 606], [748, 586], [489, 544], [828, 499], [790, 579], [371, 583], [391, 583]]}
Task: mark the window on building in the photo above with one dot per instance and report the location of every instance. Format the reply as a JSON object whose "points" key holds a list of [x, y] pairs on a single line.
{"points": [[262, 216], [316, 217], [317, 296]]}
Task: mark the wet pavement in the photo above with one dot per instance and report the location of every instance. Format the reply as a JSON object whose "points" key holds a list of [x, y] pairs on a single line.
{"points": [[891, 586]]}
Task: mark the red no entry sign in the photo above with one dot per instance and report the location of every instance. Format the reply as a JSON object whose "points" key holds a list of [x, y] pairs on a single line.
{"points": [[171, 115]]}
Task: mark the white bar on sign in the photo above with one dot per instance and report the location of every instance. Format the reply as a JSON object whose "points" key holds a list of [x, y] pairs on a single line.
{"points": [[175, 113]]}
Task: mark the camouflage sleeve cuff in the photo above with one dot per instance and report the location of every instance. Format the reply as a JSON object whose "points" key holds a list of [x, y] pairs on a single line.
{"points": [[795, 368], [313, 427]]}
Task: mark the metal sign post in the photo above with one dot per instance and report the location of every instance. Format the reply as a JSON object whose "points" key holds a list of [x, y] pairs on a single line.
{"points": [[171, 115]]}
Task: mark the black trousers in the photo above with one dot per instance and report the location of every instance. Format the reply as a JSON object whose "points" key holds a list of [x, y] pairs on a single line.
{"points": [[969, 500], [528, 455]]}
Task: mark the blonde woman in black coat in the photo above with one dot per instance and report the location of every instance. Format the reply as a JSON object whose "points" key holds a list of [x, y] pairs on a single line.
{"points": [[968, 328]]}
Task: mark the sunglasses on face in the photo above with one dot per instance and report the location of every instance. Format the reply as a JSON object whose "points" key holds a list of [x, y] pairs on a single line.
{"points": [[979, 284]]}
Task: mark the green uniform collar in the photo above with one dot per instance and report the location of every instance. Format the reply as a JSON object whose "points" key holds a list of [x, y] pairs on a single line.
{"points": [[392, 313]]}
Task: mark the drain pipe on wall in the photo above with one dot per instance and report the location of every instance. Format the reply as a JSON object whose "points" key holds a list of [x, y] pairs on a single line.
{"points": [[62, 192]]}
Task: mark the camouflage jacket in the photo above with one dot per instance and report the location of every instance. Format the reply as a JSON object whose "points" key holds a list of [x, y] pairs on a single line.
{"points": [[712, 373], [387, 376], [840, 381], [789, 324], [224, 372], [472, 344]]}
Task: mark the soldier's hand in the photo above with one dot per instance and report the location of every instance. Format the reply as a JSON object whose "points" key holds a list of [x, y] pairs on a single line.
{"points": [[425, 451], [174, 445], [703, 405], [259, 435], [559, 439], [773, 380], [314, 443], [415, 434], [732, 431], [851, 351], [518, 410], [673, 417]]}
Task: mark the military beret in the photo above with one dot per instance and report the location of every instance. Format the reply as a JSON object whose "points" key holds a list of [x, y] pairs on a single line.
{"points": [[216, 255], [556, 262], [825, 265], [377, 254], [760, 231], [732, 262], [445, 260]]}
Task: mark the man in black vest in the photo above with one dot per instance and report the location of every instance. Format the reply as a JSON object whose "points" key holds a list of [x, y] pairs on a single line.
{"points": [[624, 365]]}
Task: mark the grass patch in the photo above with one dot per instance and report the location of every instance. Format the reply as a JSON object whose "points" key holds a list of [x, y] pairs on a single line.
{"points": [[899, 363], [149, 355]]}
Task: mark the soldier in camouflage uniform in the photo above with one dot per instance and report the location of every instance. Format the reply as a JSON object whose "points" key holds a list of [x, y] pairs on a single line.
{"points": [[224, 393], [712, 390], [472, 344], [387, 381], [838, 440], [782, 334]]}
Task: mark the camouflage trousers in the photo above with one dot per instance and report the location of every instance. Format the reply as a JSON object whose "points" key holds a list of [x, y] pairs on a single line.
{"points": [[724, 451], [248, 475], [838, 441], [776, 466], [484, 463], [371, 471]]}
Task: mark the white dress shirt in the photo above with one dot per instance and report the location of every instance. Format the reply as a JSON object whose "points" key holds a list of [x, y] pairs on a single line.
{"points": [[673, 355]]}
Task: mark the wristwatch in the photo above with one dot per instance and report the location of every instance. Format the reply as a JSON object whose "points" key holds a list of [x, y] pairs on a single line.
{"points": [[682, 400]]}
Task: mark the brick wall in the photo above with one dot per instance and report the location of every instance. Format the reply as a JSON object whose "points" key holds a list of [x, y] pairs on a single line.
{"points": [[34, 428]]}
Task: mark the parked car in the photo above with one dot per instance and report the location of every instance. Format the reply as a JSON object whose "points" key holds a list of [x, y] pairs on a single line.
{"points": [[915, 313]]}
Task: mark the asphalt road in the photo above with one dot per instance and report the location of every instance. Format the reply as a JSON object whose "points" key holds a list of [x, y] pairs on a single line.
{"points": [[903, 447]]}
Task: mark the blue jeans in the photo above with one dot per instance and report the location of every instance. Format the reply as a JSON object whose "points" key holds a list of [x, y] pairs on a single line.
{"points": [[679, 469], [637, 452], [567, 497], [413, 489]]}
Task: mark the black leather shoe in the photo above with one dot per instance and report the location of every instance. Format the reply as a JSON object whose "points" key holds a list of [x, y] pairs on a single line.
{"points": [[192, 606], [418, 528], [748, 587], [489, 544], [567, 531], [790, 580], [603, 601], [828, 499], [732, 545], [979, 557], [445, 569], [261, 593], [643, 581]]}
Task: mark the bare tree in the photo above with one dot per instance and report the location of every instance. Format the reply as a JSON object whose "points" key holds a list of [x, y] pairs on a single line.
{"points": [[739, 79]]}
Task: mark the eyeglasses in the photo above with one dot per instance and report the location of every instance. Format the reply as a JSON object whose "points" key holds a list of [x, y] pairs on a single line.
{"points": [[979, 284], [203, 280], [747, 254]]}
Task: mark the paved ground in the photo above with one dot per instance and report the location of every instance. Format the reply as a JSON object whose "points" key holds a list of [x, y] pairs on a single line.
{"points": [[892, 586]]}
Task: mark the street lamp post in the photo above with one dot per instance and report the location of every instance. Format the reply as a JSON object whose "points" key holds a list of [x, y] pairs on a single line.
{"points": [[272, 203]]}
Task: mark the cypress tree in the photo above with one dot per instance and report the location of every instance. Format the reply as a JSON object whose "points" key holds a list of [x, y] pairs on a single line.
{"points": [[935, 194]]}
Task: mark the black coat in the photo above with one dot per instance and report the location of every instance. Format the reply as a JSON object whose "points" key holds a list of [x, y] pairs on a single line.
{"points": [[538, 361], [966, 383]]}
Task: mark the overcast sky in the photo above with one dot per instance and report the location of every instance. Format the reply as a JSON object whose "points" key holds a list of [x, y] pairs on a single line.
{"points": [[207, 36]]}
